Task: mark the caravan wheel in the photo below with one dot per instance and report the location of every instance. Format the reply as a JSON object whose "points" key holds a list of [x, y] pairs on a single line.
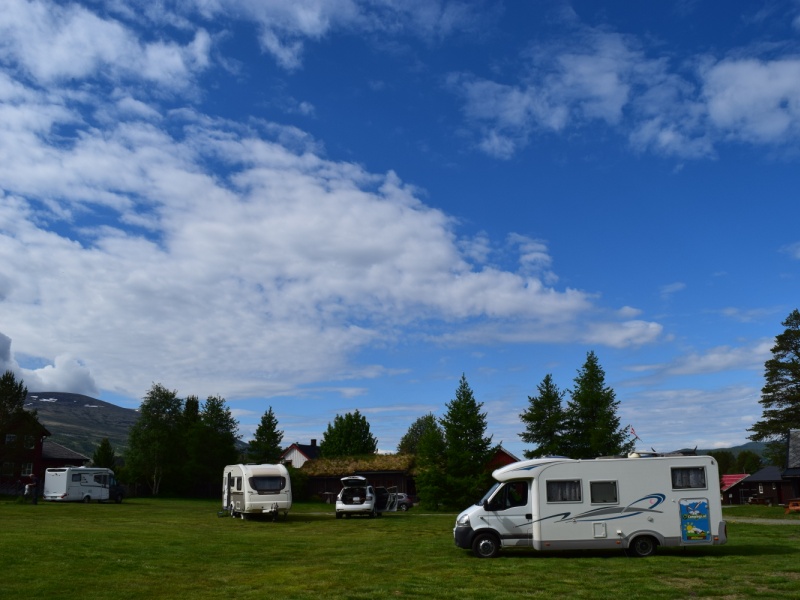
{"points": [[87, 499]]}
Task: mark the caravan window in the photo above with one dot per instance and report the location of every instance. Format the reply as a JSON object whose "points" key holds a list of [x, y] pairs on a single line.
{"points": [[564, 491], [603, 492], [268, 484], [76, 477], [688, 478]]}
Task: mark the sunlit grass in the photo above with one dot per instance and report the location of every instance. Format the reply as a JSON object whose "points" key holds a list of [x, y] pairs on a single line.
{"points": [[182, 549]]}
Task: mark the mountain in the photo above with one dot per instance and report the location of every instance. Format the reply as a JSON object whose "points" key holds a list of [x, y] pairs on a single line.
{"points": [[80, 422]]}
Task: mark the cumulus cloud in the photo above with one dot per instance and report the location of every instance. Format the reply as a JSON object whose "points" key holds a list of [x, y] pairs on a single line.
{"points": [[606, 78], [52, 43]]}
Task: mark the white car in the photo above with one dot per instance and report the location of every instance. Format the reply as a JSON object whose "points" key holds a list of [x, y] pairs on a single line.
{"points": [[356, 498]]}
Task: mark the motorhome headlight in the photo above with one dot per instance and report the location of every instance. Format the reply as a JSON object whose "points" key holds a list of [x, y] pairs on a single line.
{"points": [[462, 521]]}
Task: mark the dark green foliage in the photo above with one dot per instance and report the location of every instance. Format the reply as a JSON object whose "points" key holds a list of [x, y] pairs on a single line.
{"points": [[748, 461], [12, 398], [431, 466], [348, 436], [593, 427], [544, 420], [180, 447], [726, 461], [104, 455], [265, 447], [780, 396], [299, 481], [156, 446], [409, 443], [467, 451], [211, 444]]}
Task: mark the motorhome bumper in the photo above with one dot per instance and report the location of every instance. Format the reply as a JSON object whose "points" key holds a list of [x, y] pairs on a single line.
{"points": [[463, 536]]}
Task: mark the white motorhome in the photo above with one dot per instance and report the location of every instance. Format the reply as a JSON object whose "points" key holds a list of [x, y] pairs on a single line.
{"points": [[635, 503], [81, 484], [256, 490]]}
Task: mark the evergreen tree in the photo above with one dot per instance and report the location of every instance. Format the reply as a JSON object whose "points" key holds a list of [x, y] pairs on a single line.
{"points": [[592, 421], [348, 436], [544, 420], [104, 455], [155, 441], [218, 430], [409, 443], [467, 450], [431, 466], [748, 462], [726, 461], [12, 398], [780, 396], [265, 447]]}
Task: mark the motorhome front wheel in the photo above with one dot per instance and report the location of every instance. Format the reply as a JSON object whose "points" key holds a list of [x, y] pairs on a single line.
{"points": [[485, 545]]}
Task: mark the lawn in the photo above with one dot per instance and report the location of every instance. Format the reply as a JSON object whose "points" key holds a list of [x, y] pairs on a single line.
{"points": [[152, 548]]}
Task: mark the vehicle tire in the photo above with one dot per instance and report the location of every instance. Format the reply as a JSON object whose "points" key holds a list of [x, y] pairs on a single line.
{"points": [[118, 499], [403, 507], [642, 546], [87, 499], [486, 545], [338, 515]]}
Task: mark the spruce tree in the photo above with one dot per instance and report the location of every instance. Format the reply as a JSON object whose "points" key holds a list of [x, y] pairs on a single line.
{"points": [[592, 421], [544, 420], [265, 447], [780, 396], [467, 449]]}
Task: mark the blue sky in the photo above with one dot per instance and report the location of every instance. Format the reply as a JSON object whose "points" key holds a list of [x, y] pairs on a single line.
{"points": [[324, 206]]}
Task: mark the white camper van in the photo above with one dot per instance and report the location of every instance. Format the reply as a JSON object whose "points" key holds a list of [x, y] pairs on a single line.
{"points": [[635, 503], [250, 490], [81, 484]]}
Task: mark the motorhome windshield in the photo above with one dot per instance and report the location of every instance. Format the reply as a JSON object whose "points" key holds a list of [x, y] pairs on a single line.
{"points": [[488, 494]]}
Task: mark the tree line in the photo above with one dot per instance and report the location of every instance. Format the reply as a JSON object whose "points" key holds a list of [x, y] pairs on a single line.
{"points": [[180, 445]]}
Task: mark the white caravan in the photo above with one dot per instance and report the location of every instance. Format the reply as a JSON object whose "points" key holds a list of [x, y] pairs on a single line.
{"points": [[250, 490], [81, 484], [635, 503]]}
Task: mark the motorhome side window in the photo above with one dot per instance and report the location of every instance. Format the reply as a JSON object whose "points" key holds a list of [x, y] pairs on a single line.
{"points": [[564, 491], [76, 477], [603, 492], [688, 478]]}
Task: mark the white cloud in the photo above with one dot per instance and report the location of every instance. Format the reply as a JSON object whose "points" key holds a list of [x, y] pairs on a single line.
{"points": [[53, 43], [793, 250], [754, 100], [671, 288]]}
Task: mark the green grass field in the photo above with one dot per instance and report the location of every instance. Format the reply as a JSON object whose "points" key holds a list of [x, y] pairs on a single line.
{"points": [[152, 548]]}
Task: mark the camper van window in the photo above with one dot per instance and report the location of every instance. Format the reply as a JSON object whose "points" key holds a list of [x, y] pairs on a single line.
{"points": [[688, 478], [267, 484], [76, 477], [564, 491], [101, 479], [603, 492]]}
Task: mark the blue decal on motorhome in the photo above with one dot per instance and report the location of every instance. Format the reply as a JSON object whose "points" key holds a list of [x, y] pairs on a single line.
{"points": [[610, 513]]}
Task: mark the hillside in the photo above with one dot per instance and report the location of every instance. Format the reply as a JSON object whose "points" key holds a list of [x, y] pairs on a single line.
{"points": [[80, 422]]}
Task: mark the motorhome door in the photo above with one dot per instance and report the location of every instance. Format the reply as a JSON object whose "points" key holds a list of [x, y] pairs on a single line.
{"points": [[508, 512]]}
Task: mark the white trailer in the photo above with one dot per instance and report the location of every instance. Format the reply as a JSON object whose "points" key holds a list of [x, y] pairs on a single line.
{"points": [[251, 490], [81, 484], [635, 503]]}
